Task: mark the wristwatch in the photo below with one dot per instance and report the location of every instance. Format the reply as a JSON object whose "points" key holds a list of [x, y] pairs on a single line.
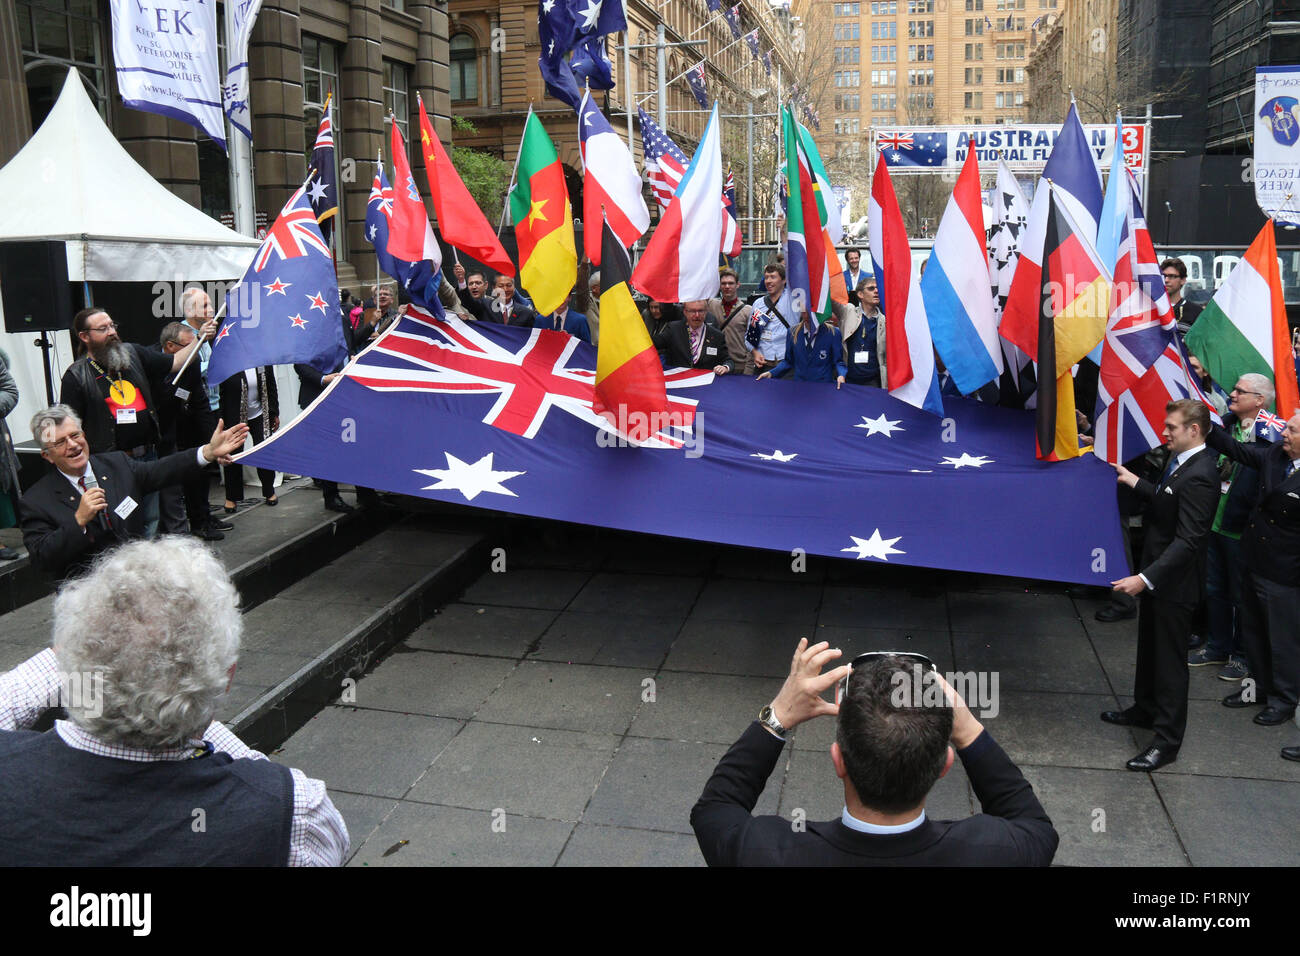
{"points": [[767, 717]]}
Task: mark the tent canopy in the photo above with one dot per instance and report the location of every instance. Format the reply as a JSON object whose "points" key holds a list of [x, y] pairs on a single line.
{"points": [[74, 181]]}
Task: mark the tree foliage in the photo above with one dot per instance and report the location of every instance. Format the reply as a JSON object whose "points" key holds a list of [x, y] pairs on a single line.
{"points": [[485, 176]]}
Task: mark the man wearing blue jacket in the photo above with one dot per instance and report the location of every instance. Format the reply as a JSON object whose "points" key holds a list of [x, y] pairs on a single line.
{"points": [[815, 353]]}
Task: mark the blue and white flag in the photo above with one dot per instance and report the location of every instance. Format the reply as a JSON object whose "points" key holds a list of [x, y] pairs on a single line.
{"points": [[166, 56], [285, 309], [505, 422], [593, 21], [234, 92]]}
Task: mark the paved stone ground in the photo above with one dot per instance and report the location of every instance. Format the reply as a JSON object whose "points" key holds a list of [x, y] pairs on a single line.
{"points": [[526, 703]]}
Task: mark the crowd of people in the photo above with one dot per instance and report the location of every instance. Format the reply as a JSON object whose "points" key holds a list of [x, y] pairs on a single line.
{"points": [[1213, 519]]}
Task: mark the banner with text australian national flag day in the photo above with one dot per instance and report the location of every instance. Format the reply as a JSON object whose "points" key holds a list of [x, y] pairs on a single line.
{"points": [[501, 418], [1023, 148]]}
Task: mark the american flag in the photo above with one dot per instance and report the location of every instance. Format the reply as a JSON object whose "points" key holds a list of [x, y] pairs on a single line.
{"points": [[665, 164]]}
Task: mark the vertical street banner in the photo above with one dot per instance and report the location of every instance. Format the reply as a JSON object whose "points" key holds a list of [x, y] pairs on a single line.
{"points": [[1277, 135], [234, 91], [166, 57]]}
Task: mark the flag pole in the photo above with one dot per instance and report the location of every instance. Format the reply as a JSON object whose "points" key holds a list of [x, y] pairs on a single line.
{"points": [[514, 172], [194, 347]]}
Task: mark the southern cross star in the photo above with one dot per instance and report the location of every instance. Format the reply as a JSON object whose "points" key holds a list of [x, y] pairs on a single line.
{"points": [[277, 286], [874, 547], [471, 480], [882, 425], [972, 461]]}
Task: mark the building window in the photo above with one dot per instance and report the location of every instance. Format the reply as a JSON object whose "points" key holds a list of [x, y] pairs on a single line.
{"points": [[54, 35], [464, 68], [920, 29], [974, 75], [398, 5], [974, 51], [320, 77], [396, 96], [884, 31], [975, 101], [920, 6], [973, 6]]}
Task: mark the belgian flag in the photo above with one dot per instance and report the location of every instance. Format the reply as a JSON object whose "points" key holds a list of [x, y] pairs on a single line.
{"points": [[629, 391], [1072, 320]]}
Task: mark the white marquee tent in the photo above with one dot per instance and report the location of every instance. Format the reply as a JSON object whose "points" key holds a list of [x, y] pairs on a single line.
{"points": [[73, 181]]}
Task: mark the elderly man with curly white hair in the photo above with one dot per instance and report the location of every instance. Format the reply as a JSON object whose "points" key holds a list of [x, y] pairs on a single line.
{"points": [[141, 775]]}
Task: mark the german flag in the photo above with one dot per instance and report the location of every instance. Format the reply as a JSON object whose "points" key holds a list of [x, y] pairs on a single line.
{"points": [[1075, 306], [629, 391]]}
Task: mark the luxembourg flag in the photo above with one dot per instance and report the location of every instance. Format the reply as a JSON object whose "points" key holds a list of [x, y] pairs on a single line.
{"points": [[680, 263], [956, 288], [912, 376]]}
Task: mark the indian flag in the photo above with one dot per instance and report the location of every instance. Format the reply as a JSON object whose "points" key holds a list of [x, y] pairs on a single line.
{"points": [[1243, 328]]}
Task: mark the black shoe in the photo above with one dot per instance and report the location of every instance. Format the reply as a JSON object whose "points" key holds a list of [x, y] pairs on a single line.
{"points": [[1126, 718], [216, 525], [1235, 701], [1113, 612], [9, 554], [1153, 758], [1272, 716], [1291, 753], [209, 534], [335, 503]]}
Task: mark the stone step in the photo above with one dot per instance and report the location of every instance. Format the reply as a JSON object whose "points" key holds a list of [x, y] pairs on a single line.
{"points": [[334, 624]]}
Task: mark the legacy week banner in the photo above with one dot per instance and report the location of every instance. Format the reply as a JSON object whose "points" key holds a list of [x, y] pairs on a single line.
{"points": [[1277, 130], [166, 56], [1025, 148]]}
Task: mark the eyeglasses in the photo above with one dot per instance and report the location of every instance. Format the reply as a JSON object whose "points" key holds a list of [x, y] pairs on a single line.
{"points": [[842, 688], [1171, 275], [109, 326], [59, 445], [1242, 391]]}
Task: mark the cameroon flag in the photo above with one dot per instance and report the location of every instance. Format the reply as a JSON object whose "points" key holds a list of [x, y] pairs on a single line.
{"points": [[1075, 306], [629, 391], [539, 206]]}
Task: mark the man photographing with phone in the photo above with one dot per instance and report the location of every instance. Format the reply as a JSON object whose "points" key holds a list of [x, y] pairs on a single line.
{"points": [[889, 756]]}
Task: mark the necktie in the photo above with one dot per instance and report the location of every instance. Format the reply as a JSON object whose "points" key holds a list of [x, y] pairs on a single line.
{"points": [[697, 339], [1290, 468], [1169, 470]]}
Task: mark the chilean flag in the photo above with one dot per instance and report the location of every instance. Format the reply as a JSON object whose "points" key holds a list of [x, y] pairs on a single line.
{"points": [[680, 264], [610, 184], [956, 288], [909, 362], [410, 237]]}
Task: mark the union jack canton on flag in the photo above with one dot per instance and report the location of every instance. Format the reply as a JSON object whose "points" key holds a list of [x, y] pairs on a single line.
{"points": [[285, 309]]}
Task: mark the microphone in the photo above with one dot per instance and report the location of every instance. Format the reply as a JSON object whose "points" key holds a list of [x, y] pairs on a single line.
{"points": [[93, 482]]}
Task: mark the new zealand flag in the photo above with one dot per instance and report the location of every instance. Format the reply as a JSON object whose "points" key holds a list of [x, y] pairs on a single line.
{"points": [[285, 309]]}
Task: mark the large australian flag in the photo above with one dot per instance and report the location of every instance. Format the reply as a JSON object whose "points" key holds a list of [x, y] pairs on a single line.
{"points": [[285, 310], [507, 423]]}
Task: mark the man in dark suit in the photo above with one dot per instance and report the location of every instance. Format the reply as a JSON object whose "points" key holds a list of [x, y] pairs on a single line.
{"points": [[1270, 551], [507, 308], [90, 503], [889, 751], [691, 343], [1180, 511], [565, 319]]}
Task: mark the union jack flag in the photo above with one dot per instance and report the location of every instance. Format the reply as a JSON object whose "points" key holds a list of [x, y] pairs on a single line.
{"points": [[732, 16], [894, 141], [294, 232], [420, 353], [665, 164], [1144, 364]]}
